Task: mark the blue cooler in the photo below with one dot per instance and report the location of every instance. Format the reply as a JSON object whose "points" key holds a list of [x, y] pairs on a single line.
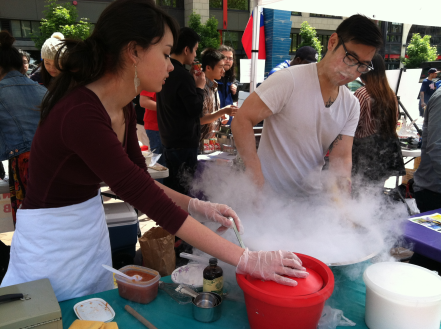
{"points": [[122, 222]]}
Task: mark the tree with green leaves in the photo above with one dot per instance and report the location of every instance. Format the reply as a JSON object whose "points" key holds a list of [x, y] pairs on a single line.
{"points": [[61, 18], [210, 37], [309, 38], [419, 51]]}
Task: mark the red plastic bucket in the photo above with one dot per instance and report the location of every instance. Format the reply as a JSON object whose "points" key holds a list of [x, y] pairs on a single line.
{"points": [[278, 306]]}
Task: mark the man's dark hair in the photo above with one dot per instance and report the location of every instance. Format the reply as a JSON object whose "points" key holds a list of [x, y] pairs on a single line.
{"points": [[230, 75], [187, 38], [359, 29], [210, 57], [25, 54]]}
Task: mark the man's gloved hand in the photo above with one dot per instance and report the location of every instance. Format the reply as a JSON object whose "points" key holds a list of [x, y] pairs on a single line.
{"points": [[205, 211], [271, 265]]}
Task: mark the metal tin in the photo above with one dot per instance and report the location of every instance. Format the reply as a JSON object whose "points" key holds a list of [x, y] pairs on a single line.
{"points": [[207, 307]]}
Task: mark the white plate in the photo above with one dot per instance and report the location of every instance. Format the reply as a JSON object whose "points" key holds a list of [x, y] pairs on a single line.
{"points": [[94, 309], [191, 274]]}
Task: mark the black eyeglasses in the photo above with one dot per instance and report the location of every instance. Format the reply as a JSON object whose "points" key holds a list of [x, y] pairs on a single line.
{"points": [[350, 60]]}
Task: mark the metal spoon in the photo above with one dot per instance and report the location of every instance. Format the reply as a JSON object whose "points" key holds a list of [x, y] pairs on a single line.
{"points": [[136, 277]]}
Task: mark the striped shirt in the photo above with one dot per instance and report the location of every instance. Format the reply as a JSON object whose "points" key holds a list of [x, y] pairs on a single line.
{"points": [[367, 125]]}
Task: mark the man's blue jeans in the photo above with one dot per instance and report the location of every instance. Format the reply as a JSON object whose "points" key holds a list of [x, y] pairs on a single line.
{"points": [[181, 163]]}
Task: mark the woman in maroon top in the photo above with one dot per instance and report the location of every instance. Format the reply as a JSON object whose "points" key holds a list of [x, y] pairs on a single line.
{"points": [[87, 134]]}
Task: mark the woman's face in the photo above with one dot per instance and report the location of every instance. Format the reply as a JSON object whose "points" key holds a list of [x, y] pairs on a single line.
{"points": [[50, 67], [25, 64], [154, 63]]}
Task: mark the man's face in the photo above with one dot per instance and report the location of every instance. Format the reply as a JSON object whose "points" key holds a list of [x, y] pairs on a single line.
{"points": [[191, 54], [228, 59], [338, 72], [25, 64], [433, 75], [217, 72]]}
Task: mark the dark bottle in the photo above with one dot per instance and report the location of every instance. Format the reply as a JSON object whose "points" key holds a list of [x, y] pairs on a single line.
{"points": [[213, 277]]}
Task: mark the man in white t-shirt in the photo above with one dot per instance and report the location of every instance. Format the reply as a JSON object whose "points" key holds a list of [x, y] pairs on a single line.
{"points": [[308, 111]]}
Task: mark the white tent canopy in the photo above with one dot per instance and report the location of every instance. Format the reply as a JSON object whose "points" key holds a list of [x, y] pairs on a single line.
{"points": [[410, 12]]}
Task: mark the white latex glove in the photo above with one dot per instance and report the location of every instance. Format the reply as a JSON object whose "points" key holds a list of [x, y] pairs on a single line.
{"points": [[271, 265], [205, 211]]}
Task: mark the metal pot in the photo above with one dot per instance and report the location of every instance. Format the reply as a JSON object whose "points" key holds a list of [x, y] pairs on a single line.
{"points": [[207, 307]]}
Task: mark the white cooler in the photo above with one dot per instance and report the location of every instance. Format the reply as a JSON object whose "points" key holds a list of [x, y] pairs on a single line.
{"points": [[122, 222]]}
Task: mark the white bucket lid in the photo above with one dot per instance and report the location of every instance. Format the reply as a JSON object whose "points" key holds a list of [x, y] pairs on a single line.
{"points": [[403, 281]]}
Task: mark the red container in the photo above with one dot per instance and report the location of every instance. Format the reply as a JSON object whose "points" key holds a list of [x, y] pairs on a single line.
{"points": [[271, 305]]}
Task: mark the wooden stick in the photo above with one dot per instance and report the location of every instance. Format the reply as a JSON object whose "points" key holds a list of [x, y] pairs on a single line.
{"points": [[139, 317]]}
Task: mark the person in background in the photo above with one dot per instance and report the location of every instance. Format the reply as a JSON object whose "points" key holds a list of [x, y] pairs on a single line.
{"points": [[212, 114], [427, 178], [48, 70], [87, 135], [376, 152], [308, 110], [148, 101], [179, 109], [227, 85], [428, 87], [19, 116], [304, 55], [140, 131], [26, 60]]}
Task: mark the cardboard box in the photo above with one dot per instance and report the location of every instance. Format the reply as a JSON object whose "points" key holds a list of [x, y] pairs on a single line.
{"points": [[408, 176], [6, 222], [416, 162]]}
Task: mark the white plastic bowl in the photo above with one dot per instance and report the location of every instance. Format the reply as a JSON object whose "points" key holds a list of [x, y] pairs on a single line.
{"points": [[191, 274], [401, 295]]}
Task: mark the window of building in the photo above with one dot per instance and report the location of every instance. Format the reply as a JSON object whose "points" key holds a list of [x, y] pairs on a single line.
{"points": [[23, 29], [296, 13], [175, 4], [295, 41], [325, 16], [232, 4], [233, 39], [323, 38]]}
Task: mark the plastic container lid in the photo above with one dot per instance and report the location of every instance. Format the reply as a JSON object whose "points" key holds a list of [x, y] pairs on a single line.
{"points": [[306, 286], [94, 309], [403, 281], [156, 276]]}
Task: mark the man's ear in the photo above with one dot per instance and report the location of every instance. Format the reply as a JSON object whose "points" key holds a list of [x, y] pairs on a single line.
{"points": [[297, 61], [333, 41]]}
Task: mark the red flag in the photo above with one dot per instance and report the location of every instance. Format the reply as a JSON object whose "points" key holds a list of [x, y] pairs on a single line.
{"points": [[247, 37]]}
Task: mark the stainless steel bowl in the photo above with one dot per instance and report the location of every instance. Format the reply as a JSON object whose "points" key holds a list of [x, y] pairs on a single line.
{"points": [[207, 307]]}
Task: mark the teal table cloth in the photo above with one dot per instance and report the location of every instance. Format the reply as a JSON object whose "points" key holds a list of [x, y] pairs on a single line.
{"points": [[165, 313]]}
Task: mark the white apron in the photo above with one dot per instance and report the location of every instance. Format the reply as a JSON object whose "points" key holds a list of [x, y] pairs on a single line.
{"points": [[67, 245]]}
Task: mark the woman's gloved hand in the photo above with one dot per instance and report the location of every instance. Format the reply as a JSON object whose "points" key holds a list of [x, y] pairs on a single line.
{"points": [[205, 211], [271, 265]]}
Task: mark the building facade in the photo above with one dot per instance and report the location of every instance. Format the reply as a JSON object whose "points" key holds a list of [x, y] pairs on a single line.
{"points": [[21, 18]]}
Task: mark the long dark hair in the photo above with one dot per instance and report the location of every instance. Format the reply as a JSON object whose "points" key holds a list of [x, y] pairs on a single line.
{"points": [[122, 22], [10, 58], [45, 77], [384, 105], [230, 75]]}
